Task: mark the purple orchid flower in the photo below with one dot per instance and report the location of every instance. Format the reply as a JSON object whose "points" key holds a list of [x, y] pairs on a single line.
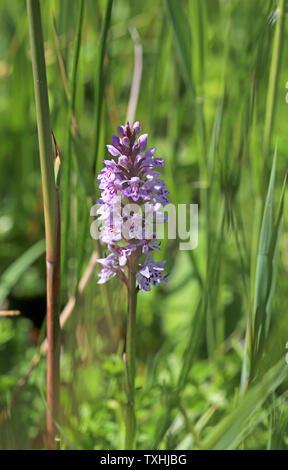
{"points": [[130, 179]]}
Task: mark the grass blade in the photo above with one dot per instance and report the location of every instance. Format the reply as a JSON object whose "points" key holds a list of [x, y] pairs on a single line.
{"points": [[71, 119], [183, 41], [229, 432], [99, 85], [267, 263], [198, 24]]}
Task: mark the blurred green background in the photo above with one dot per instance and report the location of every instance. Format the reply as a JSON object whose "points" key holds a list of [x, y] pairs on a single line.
{"points": [[204, 101]]}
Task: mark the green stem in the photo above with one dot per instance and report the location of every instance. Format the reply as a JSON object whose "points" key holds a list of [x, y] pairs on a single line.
{"points": [[51, 214], [130, 357]]}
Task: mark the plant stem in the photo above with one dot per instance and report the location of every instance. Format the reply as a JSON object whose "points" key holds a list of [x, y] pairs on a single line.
{"points": [[130, 356], [51, 215]]}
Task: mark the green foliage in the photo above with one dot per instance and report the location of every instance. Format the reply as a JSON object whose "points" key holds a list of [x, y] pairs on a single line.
{"points": [[211, 342]]}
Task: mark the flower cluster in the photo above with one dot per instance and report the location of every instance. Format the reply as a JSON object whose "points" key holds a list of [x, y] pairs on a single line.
{"points": [[130, 186]]}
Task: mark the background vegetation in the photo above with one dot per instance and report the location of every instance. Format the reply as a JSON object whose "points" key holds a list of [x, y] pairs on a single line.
{"points": [[211, 343]]}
